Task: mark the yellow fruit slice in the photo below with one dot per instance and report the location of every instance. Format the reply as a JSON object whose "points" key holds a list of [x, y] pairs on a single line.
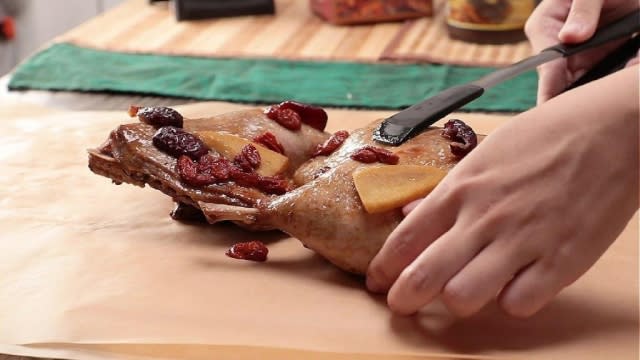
{"points": [[387, 187], [229, 145]]}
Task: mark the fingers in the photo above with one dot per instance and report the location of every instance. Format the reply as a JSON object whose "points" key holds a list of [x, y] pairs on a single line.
{"points": [[545, 22], [422, 281], [531, 290], [430, 219], [480, 281], [407, 209], [581, 22], [552, 80]]}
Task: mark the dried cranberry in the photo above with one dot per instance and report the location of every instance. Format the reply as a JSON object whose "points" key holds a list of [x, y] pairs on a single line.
{"points": [[252, 250], [268, 184], [463, 137], [157, 116], [248, 159], [270, 142], [177, 142], [313, 116], [285, 117], [273, 185], [331, 144], [206, 171], [371, 154]]}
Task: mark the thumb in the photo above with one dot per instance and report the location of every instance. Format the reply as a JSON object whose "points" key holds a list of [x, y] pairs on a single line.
{"points": [[581, 22]]}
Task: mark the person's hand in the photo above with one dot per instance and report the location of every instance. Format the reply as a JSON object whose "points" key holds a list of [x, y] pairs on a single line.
{"points": [[525, 213], [570, 21]]}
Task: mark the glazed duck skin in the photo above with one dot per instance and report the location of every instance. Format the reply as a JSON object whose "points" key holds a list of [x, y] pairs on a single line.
{"points": [[129, 156], [325, 211]]}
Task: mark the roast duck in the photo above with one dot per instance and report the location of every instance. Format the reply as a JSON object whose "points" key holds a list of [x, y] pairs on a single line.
{"points": [[276, 168]]}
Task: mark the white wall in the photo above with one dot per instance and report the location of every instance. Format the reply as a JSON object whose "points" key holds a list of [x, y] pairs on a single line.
{"points": [[38, 21]]}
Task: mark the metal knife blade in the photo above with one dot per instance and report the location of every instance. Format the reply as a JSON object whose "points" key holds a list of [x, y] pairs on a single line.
{"points": [[407, 123]]}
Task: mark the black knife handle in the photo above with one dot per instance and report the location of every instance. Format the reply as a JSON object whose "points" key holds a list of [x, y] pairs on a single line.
{"points": [[615, 61], [625, 26], [414, 119]]}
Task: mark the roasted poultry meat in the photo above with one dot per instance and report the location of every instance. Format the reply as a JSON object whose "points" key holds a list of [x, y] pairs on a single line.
{"points": [[276, 168]]}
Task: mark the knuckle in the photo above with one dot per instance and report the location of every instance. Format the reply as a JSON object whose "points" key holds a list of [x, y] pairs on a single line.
{"points": [[458, 299], [459, 191], [377, 272], [418, 280], [531, 28], [517, 306], [401, 240]]}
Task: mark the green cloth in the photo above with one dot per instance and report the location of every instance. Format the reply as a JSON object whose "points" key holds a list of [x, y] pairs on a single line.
{"points": [[336, 84]]}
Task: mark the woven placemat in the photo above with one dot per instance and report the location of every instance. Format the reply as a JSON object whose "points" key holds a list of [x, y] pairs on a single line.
{"points": [[294, 33]]}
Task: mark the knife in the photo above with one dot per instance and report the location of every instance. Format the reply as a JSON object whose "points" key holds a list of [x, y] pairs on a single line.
{"points": [[409, 122]]}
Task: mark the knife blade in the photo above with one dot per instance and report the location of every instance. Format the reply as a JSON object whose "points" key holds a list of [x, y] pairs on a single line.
{"points": [[409, 122]]}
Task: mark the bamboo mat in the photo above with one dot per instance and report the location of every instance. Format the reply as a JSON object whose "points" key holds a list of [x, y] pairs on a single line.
{"points": [[295, 33]]}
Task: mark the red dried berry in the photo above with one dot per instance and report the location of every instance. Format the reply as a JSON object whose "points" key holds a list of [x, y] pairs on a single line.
{"points": [[313, 116], [243, 178], [215, 166], [329, 146], [206, 171], [177, 142], [385, 156], [364, 155], [273, 185], [157, 116], [463, 137], [268, 184], [252, 250], [289, 119], [248, 159], [371, 154], [270, 142]]}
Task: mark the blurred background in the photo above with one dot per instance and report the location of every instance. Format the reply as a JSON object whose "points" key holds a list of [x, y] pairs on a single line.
{"points": [[37, 21]]}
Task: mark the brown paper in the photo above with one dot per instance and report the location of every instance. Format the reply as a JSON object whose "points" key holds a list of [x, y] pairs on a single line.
{"points": [[90, 270]]}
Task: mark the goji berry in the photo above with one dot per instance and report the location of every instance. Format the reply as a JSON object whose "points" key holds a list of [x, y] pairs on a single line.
{"points": [[334, 142], [270, 142], [248, 159], [371, 154], [251, 250]]}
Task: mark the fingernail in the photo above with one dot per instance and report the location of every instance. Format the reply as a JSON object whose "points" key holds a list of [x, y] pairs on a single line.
{"points": [[569, 31], [373, 285]]}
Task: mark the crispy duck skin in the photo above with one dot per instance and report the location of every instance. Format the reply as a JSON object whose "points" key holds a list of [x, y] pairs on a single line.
{"points": [[324, 212]]}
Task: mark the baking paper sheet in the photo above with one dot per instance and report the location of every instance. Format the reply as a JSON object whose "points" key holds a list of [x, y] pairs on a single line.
{"points": [[90, 270]]}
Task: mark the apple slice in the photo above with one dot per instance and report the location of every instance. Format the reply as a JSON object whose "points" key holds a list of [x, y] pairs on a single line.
{"points": [[387, 187], [229, 145]]}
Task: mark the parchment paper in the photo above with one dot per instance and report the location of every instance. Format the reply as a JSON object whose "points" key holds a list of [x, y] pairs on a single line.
{"points": [[90, 270]]}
